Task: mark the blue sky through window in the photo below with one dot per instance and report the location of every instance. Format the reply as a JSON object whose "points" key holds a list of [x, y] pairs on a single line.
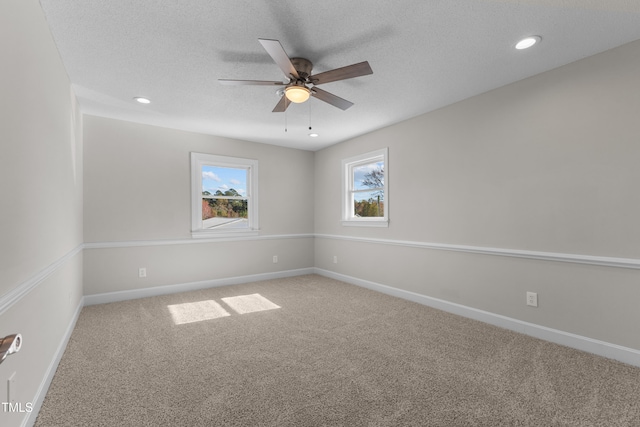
{"points": [[219, 178], [360, 171]]}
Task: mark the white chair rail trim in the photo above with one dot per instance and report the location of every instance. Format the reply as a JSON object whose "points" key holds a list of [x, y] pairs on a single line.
{"points": [[15, 294], [544, 256]]}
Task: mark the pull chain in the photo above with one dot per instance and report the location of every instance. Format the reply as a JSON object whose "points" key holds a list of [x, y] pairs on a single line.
{"points": [[285, 112]]}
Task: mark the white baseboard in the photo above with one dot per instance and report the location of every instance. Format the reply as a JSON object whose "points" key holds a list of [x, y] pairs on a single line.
{"points": [[601, 348], [30, 419], [192, 286]]}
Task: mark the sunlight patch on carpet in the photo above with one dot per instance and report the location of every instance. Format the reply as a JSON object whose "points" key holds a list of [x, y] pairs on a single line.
{"points": [[243, 304], [191, 312]]}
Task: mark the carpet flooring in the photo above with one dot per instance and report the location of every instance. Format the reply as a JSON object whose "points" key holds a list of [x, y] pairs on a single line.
{"points": [[312, 351]]}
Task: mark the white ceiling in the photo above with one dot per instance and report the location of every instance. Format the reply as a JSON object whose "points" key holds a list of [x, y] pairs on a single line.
{"points": [[425, 54]]}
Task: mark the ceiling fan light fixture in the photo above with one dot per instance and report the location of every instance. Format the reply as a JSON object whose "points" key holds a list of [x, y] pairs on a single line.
{"points": [[297, 94]]}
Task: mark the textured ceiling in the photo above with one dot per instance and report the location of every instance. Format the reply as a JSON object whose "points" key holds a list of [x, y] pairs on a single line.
{"points": [[425, 54]]}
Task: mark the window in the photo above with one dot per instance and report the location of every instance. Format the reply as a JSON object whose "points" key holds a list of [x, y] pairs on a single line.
{"points": [[224, 194], [365, 199]]}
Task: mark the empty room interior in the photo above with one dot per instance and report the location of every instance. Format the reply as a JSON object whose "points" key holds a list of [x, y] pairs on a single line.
{"points": [[348, 213]]}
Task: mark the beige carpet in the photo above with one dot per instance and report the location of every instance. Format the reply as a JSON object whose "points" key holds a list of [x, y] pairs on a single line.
{"points": [[311, 351]]}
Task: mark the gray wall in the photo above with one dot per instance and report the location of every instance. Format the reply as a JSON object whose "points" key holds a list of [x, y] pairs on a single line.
{"points": [[545, 165], [41, 199], [137, 206]]}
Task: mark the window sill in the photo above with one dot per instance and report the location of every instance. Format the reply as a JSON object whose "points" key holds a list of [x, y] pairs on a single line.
{"points": [[374, 223]]}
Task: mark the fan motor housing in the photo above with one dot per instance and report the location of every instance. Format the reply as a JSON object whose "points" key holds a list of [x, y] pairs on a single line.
{"points": [[303, 67]]}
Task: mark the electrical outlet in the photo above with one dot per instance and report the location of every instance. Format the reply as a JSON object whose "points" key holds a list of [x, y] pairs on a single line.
{"points": [[532, 299], [275, 259], [142, 272], [335, 259]]}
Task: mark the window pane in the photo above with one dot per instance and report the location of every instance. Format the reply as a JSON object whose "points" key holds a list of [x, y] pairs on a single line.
{"points": [[365, 189], [368, 204], [224, 212], [223, 196], [222, 181], [370, 175], [230, 213]]}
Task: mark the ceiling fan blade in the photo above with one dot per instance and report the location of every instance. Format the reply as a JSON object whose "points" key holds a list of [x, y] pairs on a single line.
{"points": [[348, 72], [230, 82], [282, 105], [280, 57], [330, 98]]}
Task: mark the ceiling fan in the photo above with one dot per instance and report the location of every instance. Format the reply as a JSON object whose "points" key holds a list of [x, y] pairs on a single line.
{"points": [[302, 84]]}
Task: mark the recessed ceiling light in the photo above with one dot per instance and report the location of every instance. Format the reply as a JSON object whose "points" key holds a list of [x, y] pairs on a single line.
{"points": [[528, 42], [313, 135], [142, 100]]}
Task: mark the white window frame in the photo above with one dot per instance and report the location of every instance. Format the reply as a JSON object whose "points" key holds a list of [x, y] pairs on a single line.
{"points": [[348, 216], [198, 160]]}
